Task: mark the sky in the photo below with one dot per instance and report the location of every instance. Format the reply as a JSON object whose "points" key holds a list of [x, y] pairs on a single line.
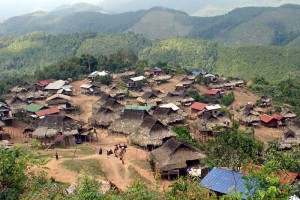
{"points": [[10, 8]]}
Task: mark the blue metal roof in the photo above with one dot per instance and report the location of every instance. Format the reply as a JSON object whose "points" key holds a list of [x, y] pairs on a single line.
{"points": [[196, 73], [224, 181]]}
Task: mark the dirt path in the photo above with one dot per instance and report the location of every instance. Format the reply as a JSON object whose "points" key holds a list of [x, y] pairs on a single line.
{"points": [[122, 175]]}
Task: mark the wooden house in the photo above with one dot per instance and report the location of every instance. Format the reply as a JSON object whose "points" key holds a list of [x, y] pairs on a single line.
{"points": [[47, 111], [54, 87], [169, 114], [20, 88], [136, 83], [288, 115], [161, 79], [213, 95], [152, 98], [40, 85], [290, 138], [59, 100], [17, 104], [197, 107], [57, 130], [272, 121], [108, 113], [209, 119], [249, 115], [150, 134], [130, 120], [156, 71], [5, 114], [174, 158], [265, 101]]}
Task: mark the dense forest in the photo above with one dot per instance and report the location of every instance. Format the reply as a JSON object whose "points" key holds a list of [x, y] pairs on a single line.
{"points": [[35, 51]]}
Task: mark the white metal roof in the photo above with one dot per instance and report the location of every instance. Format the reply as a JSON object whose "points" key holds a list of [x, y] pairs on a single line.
{"points": [[138, 78], [55, 85], [170, 105], [86, 86], [97, 73], [213, 107]]}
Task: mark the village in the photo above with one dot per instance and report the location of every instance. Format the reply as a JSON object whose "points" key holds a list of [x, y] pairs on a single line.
{"points": [[134, 117]]}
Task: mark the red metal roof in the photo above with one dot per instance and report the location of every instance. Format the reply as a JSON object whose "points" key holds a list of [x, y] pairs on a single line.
{"points": [[44, 83], [48, 111], [266, 118], [212, 92], [284, 176], [198, 106], [277, 116]]}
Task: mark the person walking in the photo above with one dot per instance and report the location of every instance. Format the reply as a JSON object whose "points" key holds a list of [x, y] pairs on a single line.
{"points": [[56, 156]]}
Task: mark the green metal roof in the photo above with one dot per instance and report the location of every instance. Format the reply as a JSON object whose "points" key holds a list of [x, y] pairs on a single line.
{"points": [[33, 108], [135, 107]]}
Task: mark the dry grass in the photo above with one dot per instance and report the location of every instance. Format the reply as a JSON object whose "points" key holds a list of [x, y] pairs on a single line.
{"points": [[90, 165], [134, 174]]}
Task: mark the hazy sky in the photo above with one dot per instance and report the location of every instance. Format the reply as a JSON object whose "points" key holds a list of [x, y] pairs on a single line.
{"points": [[9, 8]]}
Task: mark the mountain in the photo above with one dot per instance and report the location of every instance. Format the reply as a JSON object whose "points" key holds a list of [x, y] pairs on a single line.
{"points": [[251, 25], [218, 7], [20, 55], [78, 7]]}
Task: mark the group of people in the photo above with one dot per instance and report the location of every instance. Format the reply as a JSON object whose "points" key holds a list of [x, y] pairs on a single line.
{"points": [[118, 147]]}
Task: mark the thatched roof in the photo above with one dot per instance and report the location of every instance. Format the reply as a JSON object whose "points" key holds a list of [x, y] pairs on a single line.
{"points": [[174, 154], [151, 132], [286, 113], [208, 121], [2, 124], [104, 117], [249, 114], [17, 104], [129, 121], [107, 113], [59, 97], [162, 78], [290, 138], [168, 116], [20, 87], [60, 123], [44, 132]]}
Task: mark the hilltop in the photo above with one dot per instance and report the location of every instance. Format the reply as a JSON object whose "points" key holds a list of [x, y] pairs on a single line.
{"points": [[249, 25]]}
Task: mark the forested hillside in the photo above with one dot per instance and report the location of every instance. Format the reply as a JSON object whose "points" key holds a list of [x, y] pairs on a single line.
{"points": [[251, 26], [25, 54]]}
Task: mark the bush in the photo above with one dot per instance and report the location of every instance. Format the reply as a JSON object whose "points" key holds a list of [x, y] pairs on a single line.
{"points": [[228, 99], [105, 80]]}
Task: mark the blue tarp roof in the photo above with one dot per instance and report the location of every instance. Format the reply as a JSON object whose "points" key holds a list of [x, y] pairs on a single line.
{"points": [[224, 181], [196, 73]]}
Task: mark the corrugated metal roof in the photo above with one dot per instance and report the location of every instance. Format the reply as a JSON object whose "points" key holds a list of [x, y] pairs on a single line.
{"points": [[33, 108], [134, 107], [224, 181], [55, 85], [49, 111], [138, 78]]}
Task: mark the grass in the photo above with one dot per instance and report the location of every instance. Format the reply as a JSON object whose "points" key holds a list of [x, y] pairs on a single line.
{"points": [[142, 164], [90, 165], [134, 174]]}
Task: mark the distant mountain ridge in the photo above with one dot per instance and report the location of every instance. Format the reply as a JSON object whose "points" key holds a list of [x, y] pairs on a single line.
{"points": [[250, 25]]}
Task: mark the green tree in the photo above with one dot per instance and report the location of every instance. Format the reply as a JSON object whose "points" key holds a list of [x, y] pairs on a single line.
{"points": [[232, 148], [106, 80], [183, 134], [264, 183], [88, 188], [228, 99]]}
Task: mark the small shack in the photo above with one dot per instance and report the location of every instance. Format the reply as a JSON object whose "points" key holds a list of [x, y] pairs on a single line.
{"points": [[17, 104], [150, 134], [169, 115], [270, 121], [136, 83], [54, 87], [59, 100], [290, 138], [174, 157], [249, 115]]}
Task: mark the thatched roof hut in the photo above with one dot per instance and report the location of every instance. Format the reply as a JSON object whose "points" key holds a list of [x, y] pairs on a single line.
{"points": [[107, 113], [249, 115], [208, 121], [175, 155], [17, 104], [128, 122], [290, 138], [151, 133], [52, 125], [168, 116], [288, 114]]}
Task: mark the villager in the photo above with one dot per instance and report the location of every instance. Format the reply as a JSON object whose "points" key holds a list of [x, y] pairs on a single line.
{"points": [[110, 152], [56, 156], [100, 151]]}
